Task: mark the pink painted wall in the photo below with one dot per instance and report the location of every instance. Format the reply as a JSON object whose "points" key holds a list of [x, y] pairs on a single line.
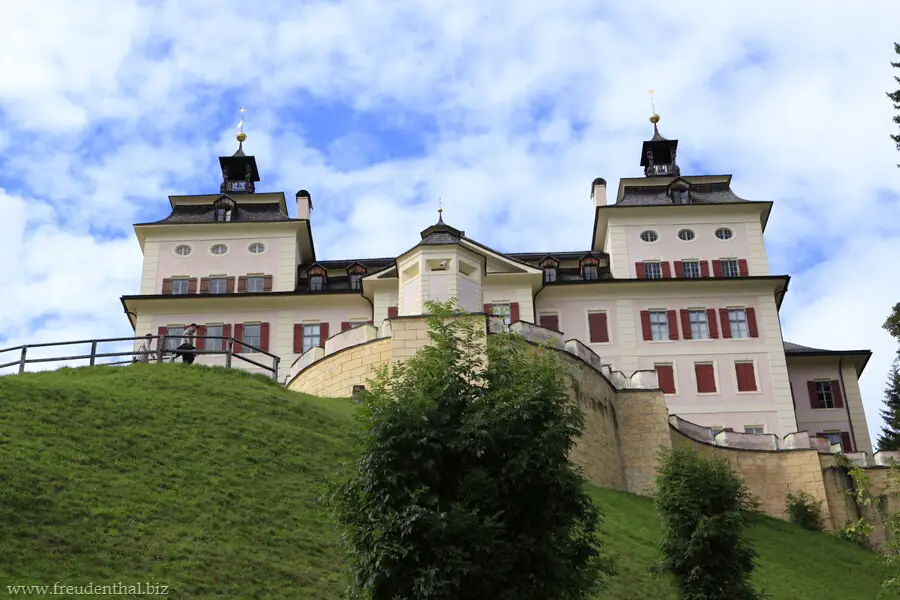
{"points": [[704, 246], [801, 370]]}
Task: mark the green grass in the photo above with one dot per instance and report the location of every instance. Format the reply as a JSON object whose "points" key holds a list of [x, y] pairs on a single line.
{"points": [[209, 481]]}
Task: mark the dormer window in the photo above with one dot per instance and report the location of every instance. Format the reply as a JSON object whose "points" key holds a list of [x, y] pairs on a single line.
{"points": [[549, 266], [317, 278], [356, 272], [549, 274], [590, 268], [223, 209], [223, 215], [679, 192]]}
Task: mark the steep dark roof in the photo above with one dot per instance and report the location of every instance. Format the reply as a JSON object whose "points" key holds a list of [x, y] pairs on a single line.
{"points": [[709, 193], [536, 257], [243, 212], [372, 264], [797, 350]]}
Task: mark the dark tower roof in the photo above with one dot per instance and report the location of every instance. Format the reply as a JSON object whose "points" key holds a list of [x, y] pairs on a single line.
{"points": [[441, 233], [658, 154], [239, 166]]}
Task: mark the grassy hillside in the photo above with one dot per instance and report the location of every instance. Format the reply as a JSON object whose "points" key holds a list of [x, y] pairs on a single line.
{"points": [[208, 481]]}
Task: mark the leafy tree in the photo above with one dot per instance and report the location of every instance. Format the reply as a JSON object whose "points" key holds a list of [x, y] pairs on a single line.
{"points": [[463, 486], [704, 507], [890, 434], [895, 98]]}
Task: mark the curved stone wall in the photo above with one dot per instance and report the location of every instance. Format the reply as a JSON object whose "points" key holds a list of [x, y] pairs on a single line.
{"points": [[334, 375]]}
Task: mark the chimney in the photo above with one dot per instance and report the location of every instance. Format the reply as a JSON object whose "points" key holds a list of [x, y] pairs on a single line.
{"points": [[598, 191], [304, 204]]}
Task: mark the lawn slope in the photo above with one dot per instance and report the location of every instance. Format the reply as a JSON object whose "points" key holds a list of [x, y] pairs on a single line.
{"points": [[209, 481]]}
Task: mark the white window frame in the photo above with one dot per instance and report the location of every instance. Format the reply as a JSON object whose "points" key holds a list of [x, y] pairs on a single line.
{"points": [[190, 250], [260, 245], [651, 233], [218, 278], [731, 267], [697, 326], [834, 432], [213, 344], [312, 332], [255, 340], [319, 280], [174, 333], [751, 361], [693, 235], [595, 269], [657, 269], [659, 325], [723, 228], [505, 312], [824, 394], [187, 285], [218, 245], [762, 429], [260, 279], [693, 262], [356, 281], [735, 322], [549, 274]]}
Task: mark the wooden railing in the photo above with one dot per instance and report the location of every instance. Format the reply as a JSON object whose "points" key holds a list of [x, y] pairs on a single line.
{"points": [[154, 354]]}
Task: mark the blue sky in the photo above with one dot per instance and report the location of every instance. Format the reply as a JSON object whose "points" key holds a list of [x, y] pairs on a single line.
{"points": [[505, 113]]}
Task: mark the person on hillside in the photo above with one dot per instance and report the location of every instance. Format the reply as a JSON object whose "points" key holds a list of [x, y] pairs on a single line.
{"points": [[144, 352], [186, 350]]}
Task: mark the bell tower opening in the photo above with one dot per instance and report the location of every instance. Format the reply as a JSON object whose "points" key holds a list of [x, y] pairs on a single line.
{"points": [[239, 172], [658, 154]]}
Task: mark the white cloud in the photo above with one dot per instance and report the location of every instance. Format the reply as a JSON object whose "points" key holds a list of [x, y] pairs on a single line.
{"points": [[110, 107]]}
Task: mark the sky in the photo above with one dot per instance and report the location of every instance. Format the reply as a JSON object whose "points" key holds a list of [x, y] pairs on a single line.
{"points": [[505, 111]]}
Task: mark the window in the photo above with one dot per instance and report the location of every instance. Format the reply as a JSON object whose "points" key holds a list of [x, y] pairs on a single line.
{"points": [[173, 337], [549, 274], [659, 325], [256, 283], [691, 268], [716, 429], [218, 249], [223, 215], [502, 310], [730, 267], [214, 344], [686, 235], [825, 394], [180, 285], [737, 321], [649, 236], [356, 281], [723, 233], [666, 376], [316, 283], [182, 250], [251, 336], [699, 325], [706, 378], [218, 285], [590, 272], [681, 197], [757, 429], [746, 376], [549, 321], [257, 248], [310, 336], [238, 186], [834, 437], [652, 270], [598, 327]]}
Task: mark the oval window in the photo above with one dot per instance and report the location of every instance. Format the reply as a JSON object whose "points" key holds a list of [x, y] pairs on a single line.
{"points": [[686, 235], [649, 236], [182, 250], [219, 249], [257, 248], [723, 233]]}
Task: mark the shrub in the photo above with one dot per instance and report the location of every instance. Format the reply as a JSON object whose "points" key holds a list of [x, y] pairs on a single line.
{"points": [[463, 486], [804, 510], [704, 506]]}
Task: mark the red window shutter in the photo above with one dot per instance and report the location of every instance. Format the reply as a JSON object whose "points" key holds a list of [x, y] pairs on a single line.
{"points": [[726, 323], [717, 268], [229, 285], [323, 334], [161, 332], [686, 324], [264, 336], [204, 285], [679, 268], [751, 322], [513, 312], [711, 323], [598, 327], [345, 325], [267, 283], [298, 338], [238, 335], [226, 333], [550, 322], [192, 285], [845, 442], [392, 311], [666, 270], [666, 378], [645, 324], [813, 396], [704, 268], [742, 267], [487, 308], [746, 377], [167, 286], [836, 392], [200, 342], [673, 325], [242, 284], [639, 270], [706, 379]]}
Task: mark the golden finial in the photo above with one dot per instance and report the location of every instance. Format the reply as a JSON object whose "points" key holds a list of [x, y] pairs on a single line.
{"points": [[654, 118], [241, 136]]}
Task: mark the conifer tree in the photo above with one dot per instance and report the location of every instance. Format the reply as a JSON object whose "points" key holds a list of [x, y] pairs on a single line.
{"points": [[890, 435], [895, 98]]}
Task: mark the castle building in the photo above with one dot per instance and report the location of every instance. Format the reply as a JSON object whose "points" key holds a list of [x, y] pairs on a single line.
{"points": [[676, 280]]}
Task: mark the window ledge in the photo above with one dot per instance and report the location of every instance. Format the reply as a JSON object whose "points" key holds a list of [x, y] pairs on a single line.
{"points": [[747, 392], [661, 341], [708, 394], [600, 343], [700, 340]]}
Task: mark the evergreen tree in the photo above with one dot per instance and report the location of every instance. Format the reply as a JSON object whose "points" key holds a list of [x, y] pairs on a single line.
{"points": [[890, 434], [895, 98], [463, 487]]}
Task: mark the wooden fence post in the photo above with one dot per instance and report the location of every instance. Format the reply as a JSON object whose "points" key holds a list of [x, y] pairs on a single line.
{"points": [[276, 360], [22, 360], [93, 352], [160, 348], [229, 348]]}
